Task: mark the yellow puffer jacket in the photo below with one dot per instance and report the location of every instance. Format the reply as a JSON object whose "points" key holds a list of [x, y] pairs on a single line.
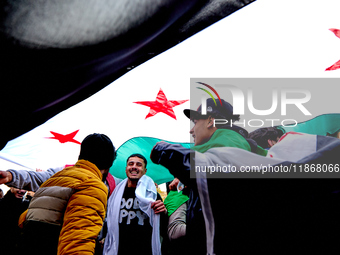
{"points": [[75, 198]]}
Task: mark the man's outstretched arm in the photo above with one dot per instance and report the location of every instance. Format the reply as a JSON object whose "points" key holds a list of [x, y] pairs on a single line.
{"points": [[24, 179]]}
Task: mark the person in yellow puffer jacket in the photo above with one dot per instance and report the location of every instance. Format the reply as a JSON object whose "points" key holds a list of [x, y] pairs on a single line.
{"points": [[67, 211]]}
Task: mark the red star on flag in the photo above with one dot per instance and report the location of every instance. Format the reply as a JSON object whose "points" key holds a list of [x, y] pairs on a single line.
{"points": [[337, 64], [65, 138], [162, 104]]}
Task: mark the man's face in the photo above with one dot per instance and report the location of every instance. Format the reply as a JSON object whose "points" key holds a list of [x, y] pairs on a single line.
{"points": [[135, 168], [18, 193], [200, 131]]}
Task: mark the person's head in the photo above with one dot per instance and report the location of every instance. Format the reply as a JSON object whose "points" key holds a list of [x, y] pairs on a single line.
{"points": [[266, 137], [204, 125], [135, 168], [18, 193], [99, 150]]}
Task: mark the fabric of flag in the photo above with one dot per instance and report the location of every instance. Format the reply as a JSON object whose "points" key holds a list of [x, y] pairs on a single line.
{"points": [[113, 112], [68, 50], [294, 146], [264, 39], [326, 124]]}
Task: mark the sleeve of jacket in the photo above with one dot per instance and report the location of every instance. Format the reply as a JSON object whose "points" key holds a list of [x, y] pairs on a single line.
{"points": [[83, 218], [177, 223], [176, 159], [30, 180]]}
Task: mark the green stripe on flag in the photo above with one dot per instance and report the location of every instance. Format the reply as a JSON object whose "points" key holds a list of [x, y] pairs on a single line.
{"points": [[326, 124]]}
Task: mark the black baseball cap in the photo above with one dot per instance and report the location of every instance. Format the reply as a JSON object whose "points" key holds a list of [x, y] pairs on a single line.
{"points": [[218, 109]]}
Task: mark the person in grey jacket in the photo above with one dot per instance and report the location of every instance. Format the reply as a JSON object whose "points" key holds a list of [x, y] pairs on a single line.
{"points": [[27, 180]]}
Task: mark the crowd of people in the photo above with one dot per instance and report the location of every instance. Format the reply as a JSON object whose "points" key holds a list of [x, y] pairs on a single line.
{"points": [[83, 209]]}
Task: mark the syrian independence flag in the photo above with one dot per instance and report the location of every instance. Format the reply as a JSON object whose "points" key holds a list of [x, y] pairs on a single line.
{"points": [[325, 124], [120, 111], [264, 39], [300, 147]]}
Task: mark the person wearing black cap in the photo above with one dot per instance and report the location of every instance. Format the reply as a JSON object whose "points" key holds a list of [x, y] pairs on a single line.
{"points": [[208, 134], [67, 211]]}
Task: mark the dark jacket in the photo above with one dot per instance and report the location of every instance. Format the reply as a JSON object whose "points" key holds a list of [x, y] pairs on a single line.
{"points": [[266, 216], [179, 160], [10, 211]]}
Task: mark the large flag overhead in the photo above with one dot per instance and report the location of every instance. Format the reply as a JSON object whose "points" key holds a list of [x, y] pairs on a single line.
{"points": [[264, 39], [69, 50], [114, 112]]}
